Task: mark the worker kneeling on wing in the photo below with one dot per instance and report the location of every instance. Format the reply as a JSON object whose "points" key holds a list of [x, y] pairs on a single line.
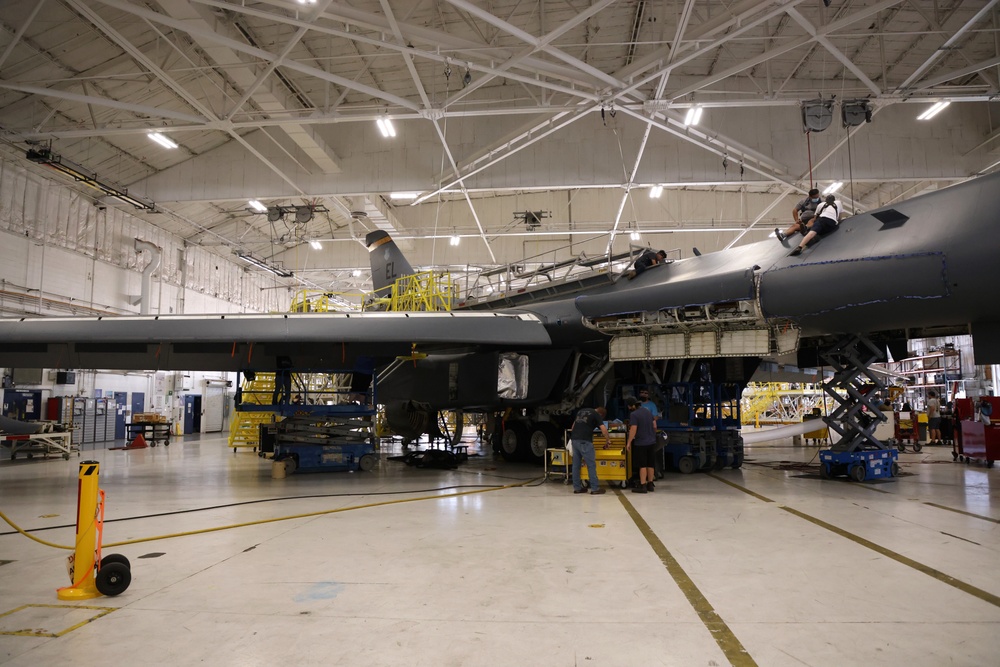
{"points": [[826, 220], [646, 260], [802, 215]]}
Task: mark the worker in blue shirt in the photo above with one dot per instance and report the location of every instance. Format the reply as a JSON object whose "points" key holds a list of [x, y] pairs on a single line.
{"points": [[648, 404]]}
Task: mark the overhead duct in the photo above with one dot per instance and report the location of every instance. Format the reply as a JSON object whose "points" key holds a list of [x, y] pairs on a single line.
{"points": [[147, 273], [358, 206]]}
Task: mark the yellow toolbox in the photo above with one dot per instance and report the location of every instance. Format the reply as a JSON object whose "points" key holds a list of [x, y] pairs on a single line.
{"points": [[613, 463]]}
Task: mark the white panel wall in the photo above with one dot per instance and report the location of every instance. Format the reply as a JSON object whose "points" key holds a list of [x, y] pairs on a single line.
{"points": [[54, 240]]}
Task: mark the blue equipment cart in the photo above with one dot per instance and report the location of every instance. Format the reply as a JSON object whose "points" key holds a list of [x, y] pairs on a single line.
{"points": [[863, 464]]}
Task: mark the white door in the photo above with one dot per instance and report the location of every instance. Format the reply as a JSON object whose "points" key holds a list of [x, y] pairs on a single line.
{"points": [[215, 398]]}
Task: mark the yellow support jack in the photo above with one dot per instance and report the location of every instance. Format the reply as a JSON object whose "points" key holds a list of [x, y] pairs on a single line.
{"points": [[113, 572]]}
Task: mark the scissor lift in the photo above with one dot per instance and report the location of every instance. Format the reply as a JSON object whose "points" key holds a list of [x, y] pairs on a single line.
{"points": [[859, 453]]}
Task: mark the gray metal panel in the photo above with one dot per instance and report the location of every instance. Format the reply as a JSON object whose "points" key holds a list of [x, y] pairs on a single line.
{"points": [[812, 289], [986, 342], [685, 290], [472, 328]]}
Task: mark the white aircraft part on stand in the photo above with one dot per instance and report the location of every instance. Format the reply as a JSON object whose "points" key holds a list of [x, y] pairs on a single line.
{"points": [[751, 437]]}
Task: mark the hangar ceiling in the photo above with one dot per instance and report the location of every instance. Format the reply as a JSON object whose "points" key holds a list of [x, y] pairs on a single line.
{"points": [[493, 103]]}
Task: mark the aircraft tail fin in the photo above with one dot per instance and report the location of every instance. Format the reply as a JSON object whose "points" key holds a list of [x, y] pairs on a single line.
{"points": [[387, 260]]}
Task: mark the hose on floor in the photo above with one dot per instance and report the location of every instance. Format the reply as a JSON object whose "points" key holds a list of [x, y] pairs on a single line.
{"points": [[398, 501]]}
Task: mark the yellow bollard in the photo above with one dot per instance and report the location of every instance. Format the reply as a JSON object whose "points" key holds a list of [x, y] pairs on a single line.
{"points": [[84, 559]]}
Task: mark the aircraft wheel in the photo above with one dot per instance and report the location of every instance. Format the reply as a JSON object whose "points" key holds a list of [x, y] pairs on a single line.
{"points": [[858, 472], [115, 558], [917, 447], [366, 463], [686, 465], [514, 442], [542, 437], [113, 579], [895, 469]]}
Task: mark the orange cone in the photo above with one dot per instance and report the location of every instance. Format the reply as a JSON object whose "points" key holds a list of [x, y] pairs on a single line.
{"points": [[138, 442]]}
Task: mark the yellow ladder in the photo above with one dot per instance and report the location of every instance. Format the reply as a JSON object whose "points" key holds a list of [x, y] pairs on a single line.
{"points": [[244, 430]]}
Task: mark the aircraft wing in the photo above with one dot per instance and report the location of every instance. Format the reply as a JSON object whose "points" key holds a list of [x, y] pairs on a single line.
{"points": [[238, 341]]}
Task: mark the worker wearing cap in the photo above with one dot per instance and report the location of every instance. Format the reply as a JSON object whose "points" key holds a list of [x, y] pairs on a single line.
{"points": [[641, 442], [582, 438]]}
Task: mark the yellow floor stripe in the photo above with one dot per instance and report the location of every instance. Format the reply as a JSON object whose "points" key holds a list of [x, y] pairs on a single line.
{"points": [[952, 509], [724, 637], [899, 558], [741, 488]]}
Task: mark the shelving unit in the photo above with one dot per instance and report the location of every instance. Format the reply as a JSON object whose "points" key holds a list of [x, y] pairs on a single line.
{"points": [[937, 370]]}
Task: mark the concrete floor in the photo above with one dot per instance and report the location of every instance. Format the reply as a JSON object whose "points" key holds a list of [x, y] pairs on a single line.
{"points": [[766, 565]]}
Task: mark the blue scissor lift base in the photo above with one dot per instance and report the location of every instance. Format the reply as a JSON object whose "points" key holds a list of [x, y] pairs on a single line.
{"points": [[863, 464]]}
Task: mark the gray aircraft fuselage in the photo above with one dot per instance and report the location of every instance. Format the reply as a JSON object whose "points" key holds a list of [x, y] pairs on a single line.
{"points": [[926, 266], [929, 270]]}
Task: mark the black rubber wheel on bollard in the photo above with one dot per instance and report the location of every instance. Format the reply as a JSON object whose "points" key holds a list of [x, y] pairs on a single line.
{"points": [[113, 579], [115, 558]]}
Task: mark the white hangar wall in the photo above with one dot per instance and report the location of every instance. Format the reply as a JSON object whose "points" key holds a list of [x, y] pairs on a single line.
{"points": [[60, 254]]}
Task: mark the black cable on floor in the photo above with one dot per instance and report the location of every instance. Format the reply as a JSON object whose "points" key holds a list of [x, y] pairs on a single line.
{"points": [[268, 500]]}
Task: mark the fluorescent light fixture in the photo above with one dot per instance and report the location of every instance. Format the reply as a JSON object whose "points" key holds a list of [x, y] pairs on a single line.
{"points": [[162, 140], [933, 111], [455, 240], [257, 206], [655, 192], [833, 187], [45, 156], [356, 273], [261, 264], [635, 236], [307, 2], [693, 116], [316, 245], [403, 195], [385, 127]]}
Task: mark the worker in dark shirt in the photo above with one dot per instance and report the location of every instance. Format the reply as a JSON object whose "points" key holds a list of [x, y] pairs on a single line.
{"points": [[646, 260], [582, 439], [802, 215], [282, 382], [641, 442]]}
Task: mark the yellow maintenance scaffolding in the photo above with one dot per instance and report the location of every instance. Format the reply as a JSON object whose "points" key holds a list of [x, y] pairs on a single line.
{"points": [[427, 291], [781, 403], [244, 429]]}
